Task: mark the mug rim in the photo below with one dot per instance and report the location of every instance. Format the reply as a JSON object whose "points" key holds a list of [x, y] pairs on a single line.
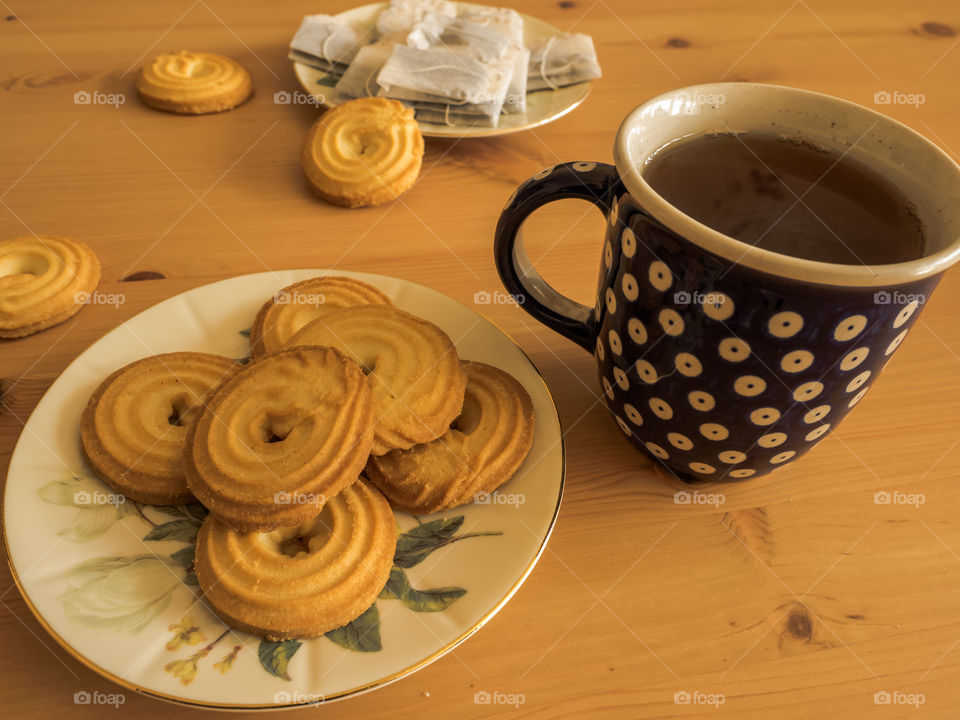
{"points": [[767, 261]]}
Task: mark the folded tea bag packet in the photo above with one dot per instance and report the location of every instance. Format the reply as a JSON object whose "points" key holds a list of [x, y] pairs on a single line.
{"points": [[326, 43], [562, 60], [453, 65]]}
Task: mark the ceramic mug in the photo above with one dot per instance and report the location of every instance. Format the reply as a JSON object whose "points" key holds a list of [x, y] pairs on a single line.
{"points": [[723, 360]]}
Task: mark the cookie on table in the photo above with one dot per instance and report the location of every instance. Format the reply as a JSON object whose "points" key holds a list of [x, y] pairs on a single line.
{"points": [[364, 152], [191, 83], [279, 438], [300, 581], [412, 368], [44, 280], [483, 449], [302, 302], [134, 426]]}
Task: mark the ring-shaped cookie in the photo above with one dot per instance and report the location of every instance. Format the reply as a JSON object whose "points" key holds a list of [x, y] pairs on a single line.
{"points": [[484, 447], [300, 303], [134, 426], [412, 368], [44, 280], [280, 437], [301, 581]]}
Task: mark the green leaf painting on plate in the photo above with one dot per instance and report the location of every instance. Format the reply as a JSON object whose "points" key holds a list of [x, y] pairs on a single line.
{"points": [[275, 656], [125, 593], [360, 635]]}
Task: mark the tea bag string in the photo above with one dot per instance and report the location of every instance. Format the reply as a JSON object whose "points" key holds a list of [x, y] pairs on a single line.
{"points": [[543, 65]]}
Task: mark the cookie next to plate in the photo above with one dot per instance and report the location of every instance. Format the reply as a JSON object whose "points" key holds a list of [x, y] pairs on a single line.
{"points": [[364, 152], [412, 368], [280, 437], [190, 83], [133, 428], [482, 450], [298, 304], [44, 280], [301, 581]]}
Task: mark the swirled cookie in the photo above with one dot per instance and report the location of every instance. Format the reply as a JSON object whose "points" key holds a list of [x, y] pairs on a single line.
{"points": [[364, 152], [484, 447], [296, 305], [412, 368], [301, 581], [280, 437], [133, 428], [194, 83], [44, 280]]}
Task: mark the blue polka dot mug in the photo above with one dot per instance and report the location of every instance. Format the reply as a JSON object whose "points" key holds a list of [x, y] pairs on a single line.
{"points": [[721, 359]]}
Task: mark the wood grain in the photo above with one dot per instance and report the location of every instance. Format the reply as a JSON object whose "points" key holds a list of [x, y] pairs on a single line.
{"points": [[797, 597]]}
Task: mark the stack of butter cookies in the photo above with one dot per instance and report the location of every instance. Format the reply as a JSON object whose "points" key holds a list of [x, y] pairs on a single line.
{"points": [[348, 406]]}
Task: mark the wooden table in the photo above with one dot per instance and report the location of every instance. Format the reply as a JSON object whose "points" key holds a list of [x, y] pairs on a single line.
{"points": [[798, 597]]}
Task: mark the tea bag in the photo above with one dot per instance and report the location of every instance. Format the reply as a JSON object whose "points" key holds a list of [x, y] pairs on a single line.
{"points": [[505, 21], [562, 60], [457, 35], [442, 74], [397, 20], [326, 43], [516, 98], [360, 79]]}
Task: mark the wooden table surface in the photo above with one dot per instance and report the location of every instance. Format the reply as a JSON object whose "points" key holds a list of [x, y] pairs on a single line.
{"points": [[798, 597]]}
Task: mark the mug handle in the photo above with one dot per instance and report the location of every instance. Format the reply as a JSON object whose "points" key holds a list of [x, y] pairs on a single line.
{"points": [[598, 183]]}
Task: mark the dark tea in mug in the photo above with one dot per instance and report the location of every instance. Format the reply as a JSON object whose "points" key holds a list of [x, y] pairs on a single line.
{"points": [[789, 197]]}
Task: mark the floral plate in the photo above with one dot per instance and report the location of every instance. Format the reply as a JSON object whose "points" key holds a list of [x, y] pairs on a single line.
{"points": [[543, 106], [112, 580]]}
